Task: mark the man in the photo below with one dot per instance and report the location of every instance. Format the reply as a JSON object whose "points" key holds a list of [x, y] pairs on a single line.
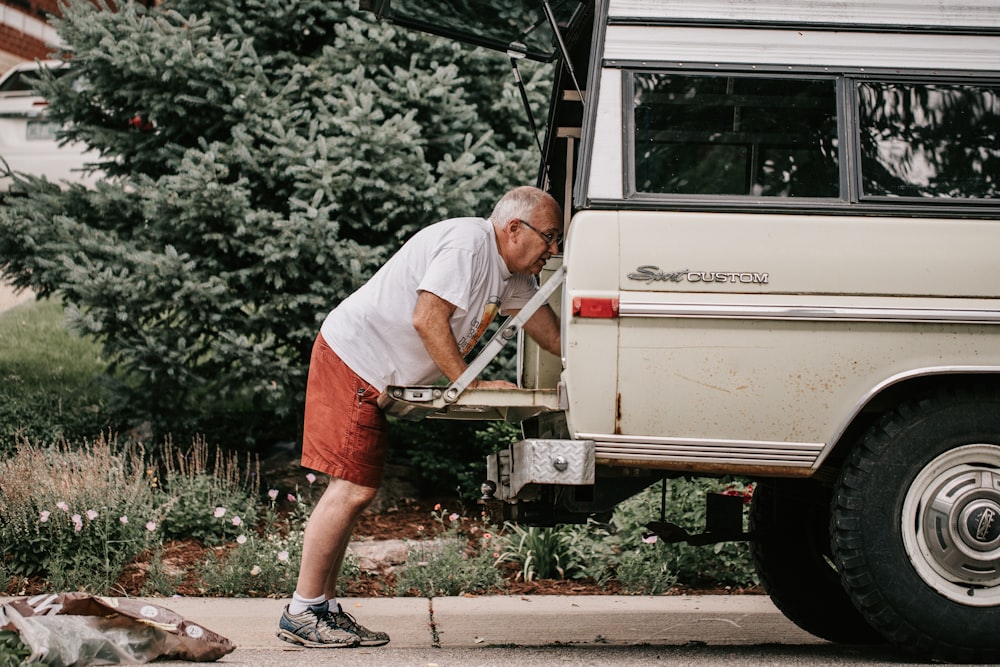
{"points": [[414, 321]]}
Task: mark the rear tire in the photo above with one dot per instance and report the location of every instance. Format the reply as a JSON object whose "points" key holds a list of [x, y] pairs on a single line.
{"points": [[917, 527], [790, 520]]}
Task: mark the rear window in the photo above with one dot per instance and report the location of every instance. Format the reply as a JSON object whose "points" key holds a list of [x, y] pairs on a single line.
{"points": [[735, 135], [929, 140]]}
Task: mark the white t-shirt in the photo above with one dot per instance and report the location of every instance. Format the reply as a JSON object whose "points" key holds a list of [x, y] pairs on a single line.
{"points": [[372, 329]]}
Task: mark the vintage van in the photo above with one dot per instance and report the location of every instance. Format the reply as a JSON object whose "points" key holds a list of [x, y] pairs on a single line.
{"points": [[782, 261]]}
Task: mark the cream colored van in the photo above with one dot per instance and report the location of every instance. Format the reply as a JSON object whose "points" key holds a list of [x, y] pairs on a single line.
{"points": [[782, 261]]}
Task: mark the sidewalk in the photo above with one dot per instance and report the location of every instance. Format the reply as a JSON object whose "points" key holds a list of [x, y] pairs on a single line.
{"points": [[502, 620]]}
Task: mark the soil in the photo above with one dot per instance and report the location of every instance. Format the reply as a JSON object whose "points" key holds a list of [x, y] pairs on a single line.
{"points": [[408, 520]]}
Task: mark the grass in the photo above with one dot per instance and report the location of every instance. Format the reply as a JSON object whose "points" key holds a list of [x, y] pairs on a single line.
{"points": [[52, 382]]}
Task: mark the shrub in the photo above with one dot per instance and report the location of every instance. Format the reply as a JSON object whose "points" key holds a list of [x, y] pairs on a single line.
{"points": [[462, 560], [75, 517], [724, 563], [543, 553], [207, 496]]}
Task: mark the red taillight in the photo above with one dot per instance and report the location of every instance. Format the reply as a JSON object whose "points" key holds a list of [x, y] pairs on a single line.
{"points": [[595, 307]]}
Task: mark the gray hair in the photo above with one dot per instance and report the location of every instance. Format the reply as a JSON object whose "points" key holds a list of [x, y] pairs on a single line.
{"points": [[520, 203]]}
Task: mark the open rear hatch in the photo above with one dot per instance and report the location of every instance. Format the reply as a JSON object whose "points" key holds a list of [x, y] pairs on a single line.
{"points": [[521, 28]]}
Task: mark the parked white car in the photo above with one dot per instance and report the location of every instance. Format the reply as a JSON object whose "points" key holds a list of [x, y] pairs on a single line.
{"points": [[28, 139]]}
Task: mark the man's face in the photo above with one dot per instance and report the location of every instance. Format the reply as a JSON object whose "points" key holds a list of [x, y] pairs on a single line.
{"points": [[535, 241]]}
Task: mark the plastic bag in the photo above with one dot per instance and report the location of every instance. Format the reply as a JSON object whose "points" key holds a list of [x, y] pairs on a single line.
{"points": [[64, 629]]}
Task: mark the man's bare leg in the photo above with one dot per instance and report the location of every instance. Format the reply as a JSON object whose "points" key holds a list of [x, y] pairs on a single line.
{"points": [[327, 535]]}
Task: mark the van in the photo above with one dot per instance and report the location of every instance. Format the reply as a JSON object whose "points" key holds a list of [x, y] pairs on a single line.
{"points": [[782, 229]]}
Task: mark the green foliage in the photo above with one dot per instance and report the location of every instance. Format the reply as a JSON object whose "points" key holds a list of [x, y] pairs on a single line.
{"points": [[645, 572], [461, 560], [207, 497], [263, 159], [725, 563], [52, 385], [75, 517], [449, 455], [14, 652], [541, 553]]}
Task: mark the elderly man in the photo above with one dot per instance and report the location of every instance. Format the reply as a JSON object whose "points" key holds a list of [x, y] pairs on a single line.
{"points": [[414, 321]]}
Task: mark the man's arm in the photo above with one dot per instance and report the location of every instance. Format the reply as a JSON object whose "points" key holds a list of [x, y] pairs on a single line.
{"points": [[430, 319], [544, 328]]}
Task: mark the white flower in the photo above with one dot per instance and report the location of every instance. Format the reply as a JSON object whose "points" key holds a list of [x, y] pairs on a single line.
{"points": [[237, 521], [151, 526], [242, 539], [123, 518], [220, 512], [283, 556], [255, 570]]}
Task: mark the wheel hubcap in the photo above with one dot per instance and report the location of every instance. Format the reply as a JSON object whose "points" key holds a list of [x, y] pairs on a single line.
{"points": [[951, 524]]}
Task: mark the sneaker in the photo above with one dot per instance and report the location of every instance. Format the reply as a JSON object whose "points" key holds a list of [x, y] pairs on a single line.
{"points": [[314, 629], [345, 621]]}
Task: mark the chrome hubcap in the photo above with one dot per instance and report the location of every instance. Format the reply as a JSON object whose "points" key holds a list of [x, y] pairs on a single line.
{"points": [[951, 524]]}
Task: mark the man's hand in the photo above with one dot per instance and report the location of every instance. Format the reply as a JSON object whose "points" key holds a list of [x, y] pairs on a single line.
{"points": [[491, 384]]}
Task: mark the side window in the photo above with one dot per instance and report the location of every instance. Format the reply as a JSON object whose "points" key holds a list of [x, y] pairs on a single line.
{"points": [[929, 140], [734, 135]]}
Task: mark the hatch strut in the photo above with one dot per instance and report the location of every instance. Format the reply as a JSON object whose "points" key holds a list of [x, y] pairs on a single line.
{"points": [[508, 330], [516, 51], [562, 47]]}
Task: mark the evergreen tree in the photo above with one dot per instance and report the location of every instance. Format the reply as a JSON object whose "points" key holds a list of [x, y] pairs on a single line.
{"points": [[262, 159]]}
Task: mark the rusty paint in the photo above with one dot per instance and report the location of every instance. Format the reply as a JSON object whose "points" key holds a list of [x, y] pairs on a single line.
{"points": [[618, 414]]}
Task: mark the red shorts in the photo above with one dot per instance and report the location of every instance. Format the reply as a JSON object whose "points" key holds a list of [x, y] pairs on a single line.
{"points": [[345, 433]]}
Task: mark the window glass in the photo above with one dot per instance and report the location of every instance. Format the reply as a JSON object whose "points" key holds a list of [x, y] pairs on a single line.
{"points": [[937, 140], [733, 135]]}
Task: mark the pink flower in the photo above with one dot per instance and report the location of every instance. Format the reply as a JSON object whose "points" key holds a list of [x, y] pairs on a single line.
{"points": [[283, 556], [291, 498], [311, 478], [151, 526], [44, 516], [77, 522], [123, 518], [91, 514], [650, 539], [237, 521], [63, 506], [454, 516], [272, 494], [437, 507], [242, 539], [220, 512], [487, 536], [255, 570]]}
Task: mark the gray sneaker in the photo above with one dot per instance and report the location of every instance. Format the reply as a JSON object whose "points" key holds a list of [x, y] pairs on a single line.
{"points": [[314, 629], [346, 622]]}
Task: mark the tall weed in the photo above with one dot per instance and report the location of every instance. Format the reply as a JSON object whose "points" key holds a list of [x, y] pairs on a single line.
{"points": [[75, 516], [208, 496]]}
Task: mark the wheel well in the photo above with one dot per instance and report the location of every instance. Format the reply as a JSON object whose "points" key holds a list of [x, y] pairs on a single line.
{"points": [[890, 397]]}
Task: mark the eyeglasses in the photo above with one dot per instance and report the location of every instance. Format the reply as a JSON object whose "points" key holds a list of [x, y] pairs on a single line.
{"points": [[549, 238]]}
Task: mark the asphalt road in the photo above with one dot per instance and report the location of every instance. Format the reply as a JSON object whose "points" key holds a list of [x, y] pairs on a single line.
{"points": [[539, 630]]}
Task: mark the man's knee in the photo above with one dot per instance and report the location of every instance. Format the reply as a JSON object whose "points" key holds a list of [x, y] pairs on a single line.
{"points": [[349, 495]]}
